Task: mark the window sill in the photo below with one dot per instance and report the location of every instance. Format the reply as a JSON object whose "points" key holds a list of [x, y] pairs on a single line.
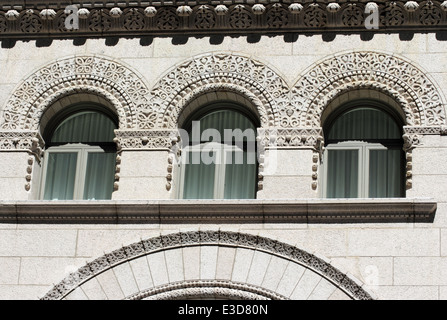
{"points": [[301, 211]]}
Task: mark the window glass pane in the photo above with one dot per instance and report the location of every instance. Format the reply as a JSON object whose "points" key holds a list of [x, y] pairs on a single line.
{"points": [[85, 127], [99, 176], [364, 124], [60, 177], [342, 175], [199, 177], [385, 174], [240, 176]]}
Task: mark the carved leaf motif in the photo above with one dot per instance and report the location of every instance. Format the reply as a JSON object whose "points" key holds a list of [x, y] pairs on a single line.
{"points": [[314, 16], [240, 18], [134, 20], [205, 18], [277, 17], [430, 14], [30, 22], [352, 16], [167, 19]]}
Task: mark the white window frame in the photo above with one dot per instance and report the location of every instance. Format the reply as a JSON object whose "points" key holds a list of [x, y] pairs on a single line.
{"points": [[223, 151], [83, 151], [364, 149]]}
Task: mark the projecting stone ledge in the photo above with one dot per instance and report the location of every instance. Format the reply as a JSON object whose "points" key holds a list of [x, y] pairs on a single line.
{"points": [[219, 211]]}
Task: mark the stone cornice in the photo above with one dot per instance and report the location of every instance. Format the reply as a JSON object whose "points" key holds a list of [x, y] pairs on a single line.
{"points": [[219, 212], [37, 19]]}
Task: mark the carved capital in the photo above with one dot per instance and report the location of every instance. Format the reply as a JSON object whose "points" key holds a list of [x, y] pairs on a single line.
{"points": [[29, 141], [287, 138], [145, 139]]}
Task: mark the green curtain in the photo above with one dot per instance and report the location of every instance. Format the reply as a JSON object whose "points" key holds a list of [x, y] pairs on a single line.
{"points": [[385, 173], [239, 179], [99, 176], [343, 174], [61, 174], [199, 179], [364, 124], [85, 127]]}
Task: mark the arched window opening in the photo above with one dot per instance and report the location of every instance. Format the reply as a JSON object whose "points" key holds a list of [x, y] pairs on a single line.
{"points": [[220, 160], [364, 155], [79, 162]]}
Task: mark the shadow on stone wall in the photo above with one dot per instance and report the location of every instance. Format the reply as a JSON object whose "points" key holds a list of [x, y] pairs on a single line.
{"points": [[214, 39]]}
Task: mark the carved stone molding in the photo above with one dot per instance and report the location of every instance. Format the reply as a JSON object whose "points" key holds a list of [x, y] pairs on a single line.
{"points": [[119, 85], [193, 238], [102, 18], [215, 211], [287, 138], [29, 141], [422, 104], [199, 289], [218, 71], [154, 139]]}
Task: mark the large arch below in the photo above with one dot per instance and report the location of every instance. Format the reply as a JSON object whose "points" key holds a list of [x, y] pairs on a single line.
{"points": [[122, 87], [208, 264], [418, 96]]}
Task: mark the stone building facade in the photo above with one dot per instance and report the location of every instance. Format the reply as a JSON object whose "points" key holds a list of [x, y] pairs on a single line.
{"points": [[295, 67]]}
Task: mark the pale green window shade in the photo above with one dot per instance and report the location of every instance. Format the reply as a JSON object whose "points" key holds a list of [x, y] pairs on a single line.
{"points": [[199, 179], [343, 173], [224, 178], [385, 174], [85, 127], [99, 176], [364, 124], [240, 178], [61, 173]]}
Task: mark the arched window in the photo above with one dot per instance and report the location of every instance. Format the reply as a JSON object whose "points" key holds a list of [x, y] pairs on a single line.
{"points": [[364, 156], [79, 162], [220, 160]]}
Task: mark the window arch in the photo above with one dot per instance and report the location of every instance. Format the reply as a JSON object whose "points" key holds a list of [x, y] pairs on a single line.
{"points": [[79, 162], [364, 155], [219, 161]]}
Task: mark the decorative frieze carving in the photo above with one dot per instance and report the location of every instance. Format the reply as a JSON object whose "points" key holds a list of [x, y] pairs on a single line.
{"points": [[286, 138], [145, 139], [194, 17]]}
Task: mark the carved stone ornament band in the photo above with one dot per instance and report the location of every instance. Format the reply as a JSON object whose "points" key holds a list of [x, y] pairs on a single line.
{"points": [[142, 18], [194, 238]]}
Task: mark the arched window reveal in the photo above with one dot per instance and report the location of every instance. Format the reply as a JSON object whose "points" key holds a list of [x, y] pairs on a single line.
{"points": [[80, 160], [220, 161], [364, 156]]}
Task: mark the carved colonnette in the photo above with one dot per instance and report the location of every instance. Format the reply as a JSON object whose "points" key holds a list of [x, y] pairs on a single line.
{"points": [[141, 18]]}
